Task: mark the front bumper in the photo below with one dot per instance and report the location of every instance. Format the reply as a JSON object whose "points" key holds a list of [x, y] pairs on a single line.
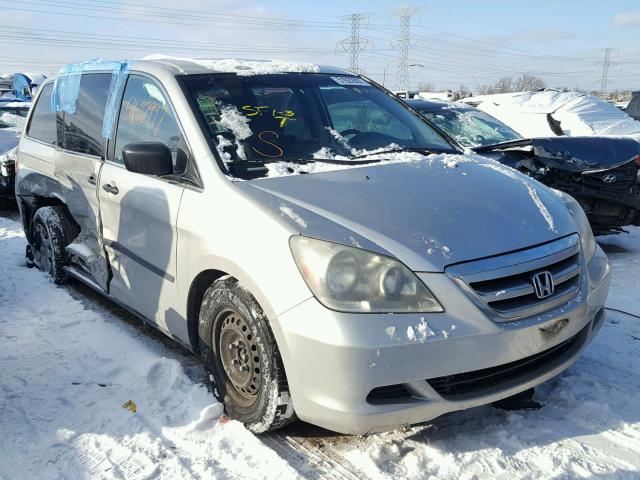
{"points": [[335, 360]]}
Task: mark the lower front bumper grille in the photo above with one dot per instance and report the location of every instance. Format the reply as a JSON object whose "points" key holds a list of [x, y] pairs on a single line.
{"points": [[468, 384]]}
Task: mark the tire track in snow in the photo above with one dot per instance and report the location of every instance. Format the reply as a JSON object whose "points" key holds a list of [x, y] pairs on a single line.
{"points": [[310, 460]]}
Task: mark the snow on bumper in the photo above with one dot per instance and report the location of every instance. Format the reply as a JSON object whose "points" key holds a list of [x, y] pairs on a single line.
{"points": [[334, 360]]}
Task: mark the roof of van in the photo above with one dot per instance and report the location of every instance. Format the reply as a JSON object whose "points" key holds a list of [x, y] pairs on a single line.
{"points": [[239, 66], [196, 65]]}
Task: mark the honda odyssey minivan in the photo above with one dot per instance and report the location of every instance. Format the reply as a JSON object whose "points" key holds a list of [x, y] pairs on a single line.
{"points": [[328, 254]]}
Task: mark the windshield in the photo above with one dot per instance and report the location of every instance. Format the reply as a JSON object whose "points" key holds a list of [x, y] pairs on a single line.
{"points": [[305, 118], [471, 127], [12, 118]]}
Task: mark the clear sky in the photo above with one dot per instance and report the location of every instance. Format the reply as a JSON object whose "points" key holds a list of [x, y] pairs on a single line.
{"points": [[469, 42]]}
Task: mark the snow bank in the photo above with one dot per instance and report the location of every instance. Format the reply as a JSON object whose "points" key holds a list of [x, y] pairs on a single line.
{"points": [[69, 367], [242, 67]]}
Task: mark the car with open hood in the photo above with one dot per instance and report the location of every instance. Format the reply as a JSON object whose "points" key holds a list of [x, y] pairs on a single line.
{"points": [[328, 254], [601, 173]]}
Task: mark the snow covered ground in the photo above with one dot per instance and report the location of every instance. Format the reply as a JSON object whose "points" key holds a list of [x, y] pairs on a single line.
{"points": [[69, 362]]}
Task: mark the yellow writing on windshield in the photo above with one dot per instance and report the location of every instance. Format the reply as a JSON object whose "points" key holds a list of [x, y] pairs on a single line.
{"points": [[259, 111]]}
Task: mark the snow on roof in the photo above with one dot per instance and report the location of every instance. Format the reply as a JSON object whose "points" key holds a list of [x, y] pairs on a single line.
{"points": [[578, 113], [240, 66]]}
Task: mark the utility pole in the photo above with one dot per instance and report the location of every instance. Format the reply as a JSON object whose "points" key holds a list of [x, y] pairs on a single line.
{"points": [[355, 44], [402, 44], [606, 63]]}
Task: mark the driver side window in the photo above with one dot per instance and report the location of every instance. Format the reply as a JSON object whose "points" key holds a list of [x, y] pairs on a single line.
{"points": [[147, 116]]}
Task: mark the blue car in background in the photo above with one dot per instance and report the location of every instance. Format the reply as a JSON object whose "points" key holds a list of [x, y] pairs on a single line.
{"points": [[19, 87]]}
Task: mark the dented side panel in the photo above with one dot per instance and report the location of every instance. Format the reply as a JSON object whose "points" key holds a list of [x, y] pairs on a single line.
{"points": [[78, 176]]}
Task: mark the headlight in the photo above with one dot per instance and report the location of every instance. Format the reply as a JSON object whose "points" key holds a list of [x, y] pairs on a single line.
{"points": [[350, 279], [587, 241]]}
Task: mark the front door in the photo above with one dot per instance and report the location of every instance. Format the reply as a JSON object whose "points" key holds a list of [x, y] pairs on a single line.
{"points": [[139, 212]]}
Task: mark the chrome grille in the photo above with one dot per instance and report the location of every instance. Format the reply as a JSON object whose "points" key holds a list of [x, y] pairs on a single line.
{"points": [[504, 283]]}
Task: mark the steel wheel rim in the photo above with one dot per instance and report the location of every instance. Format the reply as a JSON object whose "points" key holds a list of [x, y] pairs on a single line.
{"points": [[240, 356], [43, 254]]}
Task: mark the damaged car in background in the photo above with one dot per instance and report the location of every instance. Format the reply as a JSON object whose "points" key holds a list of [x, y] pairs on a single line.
{"points": [[550, 112], [600, 172], [12, 120], [327, 253]]}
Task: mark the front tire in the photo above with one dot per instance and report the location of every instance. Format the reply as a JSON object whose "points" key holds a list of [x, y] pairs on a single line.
{"points": [[240, 352], [51, 232]]}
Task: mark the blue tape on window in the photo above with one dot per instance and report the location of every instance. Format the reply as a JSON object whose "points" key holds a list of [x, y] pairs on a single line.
{"points": [[111, 109], [67, 85]]}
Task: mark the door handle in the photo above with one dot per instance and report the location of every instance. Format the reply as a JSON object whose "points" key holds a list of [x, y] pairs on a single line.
{"points": [[92, 179], [107, 187]]}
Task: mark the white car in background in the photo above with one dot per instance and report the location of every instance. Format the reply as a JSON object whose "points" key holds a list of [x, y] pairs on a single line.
{"points": [[552, 112]]}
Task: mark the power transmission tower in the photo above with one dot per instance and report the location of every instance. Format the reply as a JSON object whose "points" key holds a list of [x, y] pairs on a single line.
{"points": [[606, 63], [355, 44], [403, 43]]}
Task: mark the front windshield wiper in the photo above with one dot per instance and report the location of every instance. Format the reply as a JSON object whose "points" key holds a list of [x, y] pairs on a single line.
{"points": [[427, 150]]}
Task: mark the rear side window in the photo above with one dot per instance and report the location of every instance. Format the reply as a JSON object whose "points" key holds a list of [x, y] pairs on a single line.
{"points": [[43, 119], [83, 128], [147, 116]]}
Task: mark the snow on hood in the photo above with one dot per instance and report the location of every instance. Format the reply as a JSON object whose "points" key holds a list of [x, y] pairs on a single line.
{"points": [[428, 212], [578, 113], [243, 67]]}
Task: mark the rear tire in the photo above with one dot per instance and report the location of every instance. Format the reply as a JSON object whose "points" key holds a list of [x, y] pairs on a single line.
{"points": [[240, 352], [51, 232]]}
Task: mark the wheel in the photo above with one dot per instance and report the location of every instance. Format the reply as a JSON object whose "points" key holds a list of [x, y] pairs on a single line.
{"points": [[51, 232], [240, 352]]}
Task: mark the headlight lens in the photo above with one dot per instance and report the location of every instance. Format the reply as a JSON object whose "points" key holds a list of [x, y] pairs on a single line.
{"points": [[587, 241], [350, 279]]}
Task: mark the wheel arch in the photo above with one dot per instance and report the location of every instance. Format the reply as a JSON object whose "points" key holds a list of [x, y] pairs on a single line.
{"points": [[30, 204], [198, 287]]}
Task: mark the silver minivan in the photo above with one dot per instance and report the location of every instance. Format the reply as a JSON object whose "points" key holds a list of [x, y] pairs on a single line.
{"points": [[328, 254]]}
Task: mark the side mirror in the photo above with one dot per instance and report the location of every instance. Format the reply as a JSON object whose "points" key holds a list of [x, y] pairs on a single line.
{"points": [[148, 158]]}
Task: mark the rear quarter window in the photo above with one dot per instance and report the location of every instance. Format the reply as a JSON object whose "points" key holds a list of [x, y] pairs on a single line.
{"points": [[43, 120], [83, 127]]}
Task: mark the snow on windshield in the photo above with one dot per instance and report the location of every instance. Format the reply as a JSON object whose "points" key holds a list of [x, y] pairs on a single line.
{"points": [[471, 127], [243, 67]]}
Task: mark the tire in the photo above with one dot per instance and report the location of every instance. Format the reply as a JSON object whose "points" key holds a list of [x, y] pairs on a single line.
{"points": [[240, 352], [51, 232]]}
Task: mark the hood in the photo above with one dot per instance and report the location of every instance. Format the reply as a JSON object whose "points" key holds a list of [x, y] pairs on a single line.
{"points": [[573, 154], [429, 214], [8, 139]]}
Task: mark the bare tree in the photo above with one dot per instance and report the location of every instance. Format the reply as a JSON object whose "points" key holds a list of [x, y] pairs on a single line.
{"points": [[462, 92], [426, 87], [527, 83], [524, 83]]}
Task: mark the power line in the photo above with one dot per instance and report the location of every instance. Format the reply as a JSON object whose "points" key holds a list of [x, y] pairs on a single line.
{"points": [[355, 44], [605, 71], [404, 38]]}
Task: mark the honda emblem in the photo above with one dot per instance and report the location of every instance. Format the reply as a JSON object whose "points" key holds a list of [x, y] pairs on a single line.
{"points": [[543, 284]]}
